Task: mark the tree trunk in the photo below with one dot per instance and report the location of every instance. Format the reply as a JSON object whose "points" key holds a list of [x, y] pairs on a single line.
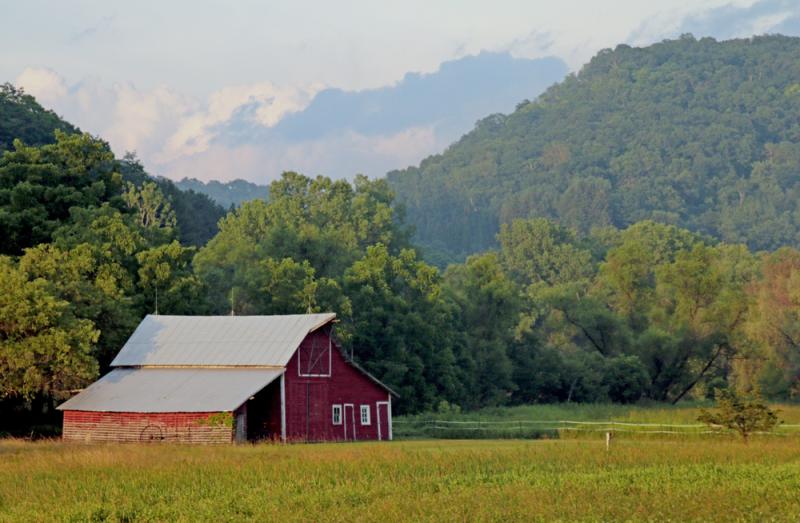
{"points": [[701, 374]]}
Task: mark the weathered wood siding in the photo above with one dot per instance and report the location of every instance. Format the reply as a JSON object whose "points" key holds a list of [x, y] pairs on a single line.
{"points": [[181, 427]]}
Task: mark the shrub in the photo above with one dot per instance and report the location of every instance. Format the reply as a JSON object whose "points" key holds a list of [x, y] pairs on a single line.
{"points": [[742, 414], [626, 379]]}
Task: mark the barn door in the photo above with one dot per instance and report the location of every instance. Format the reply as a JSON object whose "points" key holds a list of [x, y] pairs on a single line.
{"points": [[241, 425], [316, 414], [350, 422], [384, 420]]}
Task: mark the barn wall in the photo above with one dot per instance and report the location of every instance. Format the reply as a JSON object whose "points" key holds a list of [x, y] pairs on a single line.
{"points": [[309, 400], [182, 427]]}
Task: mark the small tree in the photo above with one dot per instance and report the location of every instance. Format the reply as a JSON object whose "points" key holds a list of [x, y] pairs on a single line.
{"points": [[744, 415]]}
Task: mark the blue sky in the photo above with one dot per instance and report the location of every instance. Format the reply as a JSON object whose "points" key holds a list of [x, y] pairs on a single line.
{"points": [[247, 89]]}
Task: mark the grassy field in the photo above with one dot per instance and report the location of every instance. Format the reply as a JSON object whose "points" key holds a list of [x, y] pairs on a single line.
{"points": [[655, 477], [430, 480], [685, 412], [574, 420]]}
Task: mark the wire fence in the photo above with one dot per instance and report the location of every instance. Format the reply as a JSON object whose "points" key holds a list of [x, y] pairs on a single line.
{"points": [[533, 429]]}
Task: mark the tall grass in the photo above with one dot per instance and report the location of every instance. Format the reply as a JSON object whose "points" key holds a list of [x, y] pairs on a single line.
{"points": [[719, 480]]}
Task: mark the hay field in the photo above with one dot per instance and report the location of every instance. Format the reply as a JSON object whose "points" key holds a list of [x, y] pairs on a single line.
{"points": [[430, 480]]}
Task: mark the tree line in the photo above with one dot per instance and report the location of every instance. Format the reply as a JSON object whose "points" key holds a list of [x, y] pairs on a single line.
{"points": [[650, 311]]}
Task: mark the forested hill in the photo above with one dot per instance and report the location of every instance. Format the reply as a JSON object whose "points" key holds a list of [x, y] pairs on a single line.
{"points": [[40, 187], [697, 133], [21, 117], [228, 194]]}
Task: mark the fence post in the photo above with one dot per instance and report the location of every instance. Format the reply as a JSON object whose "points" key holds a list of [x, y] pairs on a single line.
{"points": [[608, 441]]}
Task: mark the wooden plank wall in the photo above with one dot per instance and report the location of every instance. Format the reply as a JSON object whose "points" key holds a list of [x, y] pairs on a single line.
{"points": [[179, 427]]}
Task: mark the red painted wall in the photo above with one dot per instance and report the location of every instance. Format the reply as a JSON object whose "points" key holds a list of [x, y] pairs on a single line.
{"points": [[183, 427], [310, 400]]}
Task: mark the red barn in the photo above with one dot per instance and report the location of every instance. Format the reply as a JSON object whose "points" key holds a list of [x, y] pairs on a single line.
{"points": [[215, 379]]}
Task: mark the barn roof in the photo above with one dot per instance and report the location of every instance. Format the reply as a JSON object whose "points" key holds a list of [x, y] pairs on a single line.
{"points": [[218, 340], [171, 390]]}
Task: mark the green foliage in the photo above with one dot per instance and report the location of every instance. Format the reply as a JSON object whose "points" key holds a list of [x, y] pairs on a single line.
{"points": [[401, 328], [217, 419], [97, 287], [327, 223], [167, 281], [744, 415], [289, 255], [89, 250], [488, 305], [40, 185], [773, 323], [695, 133], [44, 348], [626, 379], [652, 311], [151, 207], [540, 250], [195, 214], [22, 118]]}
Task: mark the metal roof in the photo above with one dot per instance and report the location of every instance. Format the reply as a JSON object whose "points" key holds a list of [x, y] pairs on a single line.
{"points": [[218, 340], [172, 390]]}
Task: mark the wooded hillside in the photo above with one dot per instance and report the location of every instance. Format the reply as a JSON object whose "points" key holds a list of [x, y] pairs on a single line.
{"points": [[227, 194], [22, 118], [696, 133]]}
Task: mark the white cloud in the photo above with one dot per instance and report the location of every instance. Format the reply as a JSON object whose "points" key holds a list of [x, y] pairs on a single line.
{"points": [[195, 133], [129, 118], [45, 84], [160, 124], [342, 156], [143, 120], [174, 134], [764, 24], [719, 19]]}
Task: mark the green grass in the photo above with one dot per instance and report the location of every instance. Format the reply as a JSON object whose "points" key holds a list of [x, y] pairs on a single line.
{"points": [[489, 480], [534, 421], [655, 413]]}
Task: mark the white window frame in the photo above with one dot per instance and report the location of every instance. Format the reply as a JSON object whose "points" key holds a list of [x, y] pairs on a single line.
{"points": [[365, 409], [336, 409]]}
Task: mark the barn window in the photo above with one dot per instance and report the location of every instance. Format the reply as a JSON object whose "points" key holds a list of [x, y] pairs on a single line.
{"points": [[365, 415], [314, 357], [337, 415]]}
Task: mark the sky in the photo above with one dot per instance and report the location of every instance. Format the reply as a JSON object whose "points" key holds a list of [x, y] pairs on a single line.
{"points": [[245, 89]]}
